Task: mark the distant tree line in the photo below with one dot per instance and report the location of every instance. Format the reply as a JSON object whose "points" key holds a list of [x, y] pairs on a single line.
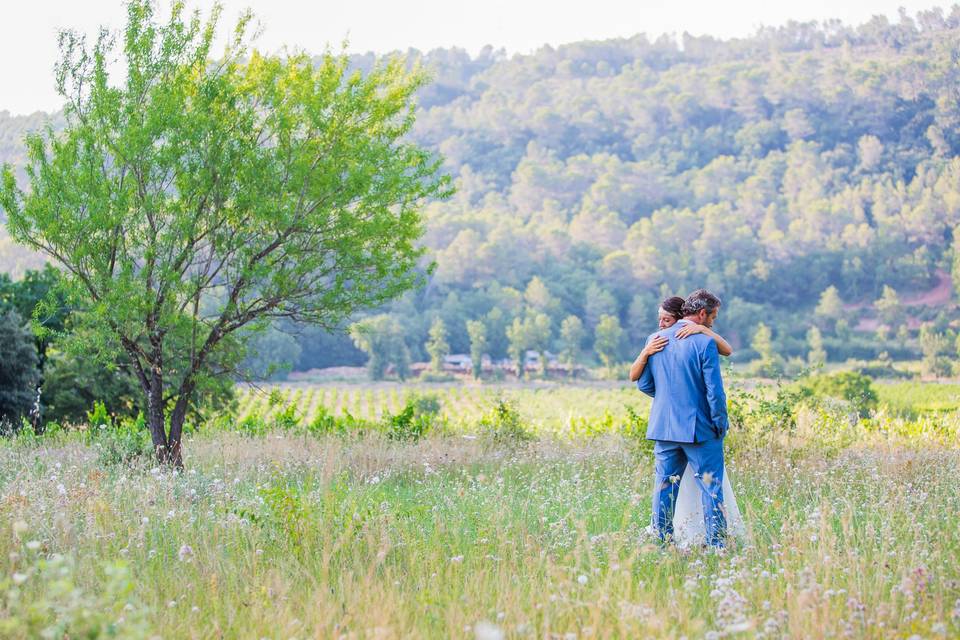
{"points": [[808, 174]]}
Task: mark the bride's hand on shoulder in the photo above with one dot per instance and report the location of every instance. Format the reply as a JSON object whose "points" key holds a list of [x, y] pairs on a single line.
{"points": [[690, 329], [655, 346]]}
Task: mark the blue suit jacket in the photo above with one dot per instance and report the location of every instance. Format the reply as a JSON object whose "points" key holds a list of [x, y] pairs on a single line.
{"points": [[689, 404]]}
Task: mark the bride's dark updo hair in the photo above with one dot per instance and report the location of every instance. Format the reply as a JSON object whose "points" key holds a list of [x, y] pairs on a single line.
{"points": [[674, 306]]}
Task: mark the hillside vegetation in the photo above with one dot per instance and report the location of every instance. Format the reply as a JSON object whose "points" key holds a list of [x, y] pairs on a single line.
{"points": [[596, 177]]}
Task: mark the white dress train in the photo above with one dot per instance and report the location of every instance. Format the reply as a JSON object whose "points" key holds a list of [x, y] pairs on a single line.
{"points": [[688, 526]]}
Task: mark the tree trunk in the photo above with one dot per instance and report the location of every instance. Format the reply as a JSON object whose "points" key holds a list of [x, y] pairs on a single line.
{"points": [[177, 417], [155, 419]]}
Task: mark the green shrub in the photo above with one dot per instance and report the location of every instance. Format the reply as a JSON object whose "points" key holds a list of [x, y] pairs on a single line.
{"points": [[288, 510], [407, 425], [855, 388], [72, 383], [275, 398], [325, 423], [419, 416], [503, 424], [19, 374], [287, 420], [253, 425], [118, 442]]}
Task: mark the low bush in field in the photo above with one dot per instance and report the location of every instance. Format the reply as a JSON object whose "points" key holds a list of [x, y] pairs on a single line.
{"points": [[853, 387], [503, 425], [118, 441], [417, 418]]}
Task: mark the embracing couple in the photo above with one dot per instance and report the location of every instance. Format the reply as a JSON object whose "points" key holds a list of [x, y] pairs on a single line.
{"points": [[680, 369]]}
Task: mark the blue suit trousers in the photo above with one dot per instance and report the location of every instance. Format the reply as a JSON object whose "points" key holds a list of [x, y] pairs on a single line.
{"points": [[706, 459]]}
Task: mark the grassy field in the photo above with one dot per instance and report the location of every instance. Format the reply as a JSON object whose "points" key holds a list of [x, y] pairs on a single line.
{"points": [[285, 534]]}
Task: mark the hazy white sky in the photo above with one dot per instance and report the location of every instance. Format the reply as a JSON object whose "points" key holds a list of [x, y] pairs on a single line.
{"points": [[28, 28]]}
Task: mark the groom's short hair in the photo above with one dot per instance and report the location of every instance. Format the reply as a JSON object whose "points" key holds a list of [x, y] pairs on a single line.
{"points": [[698, 300]]}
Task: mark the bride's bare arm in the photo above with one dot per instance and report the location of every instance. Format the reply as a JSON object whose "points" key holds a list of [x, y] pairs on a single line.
{"points": [[691, 328], [654, 346]]}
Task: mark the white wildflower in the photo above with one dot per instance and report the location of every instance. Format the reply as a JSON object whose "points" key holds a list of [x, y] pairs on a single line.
{"points": [[488, 631]]}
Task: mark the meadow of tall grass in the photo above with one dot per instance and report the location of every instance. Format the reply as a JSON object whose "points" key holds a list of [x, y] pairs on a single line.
{"points": [[500, 530]]}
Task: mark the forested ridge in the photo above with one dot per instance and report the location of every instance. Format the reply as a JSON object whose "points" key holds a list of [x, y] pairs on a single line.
{"points": [[596, 177]]}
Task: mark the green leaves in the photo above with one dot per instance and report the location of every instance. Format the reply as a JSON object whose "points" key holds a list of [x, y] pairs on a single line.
{"points": [[204, 194]]}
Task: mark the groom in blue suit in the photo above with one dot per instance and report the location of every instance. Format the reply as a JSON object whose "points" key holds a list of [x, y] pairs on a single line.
{"points": [[688, 419]]}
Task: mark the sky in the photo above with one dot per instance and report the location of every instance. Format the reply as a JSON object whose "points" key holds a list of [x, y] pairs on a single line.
{"points": [[28, 28]]}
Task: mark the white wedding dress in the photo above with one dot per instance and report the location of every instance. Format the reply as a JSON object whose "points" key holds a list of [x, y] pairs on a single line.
{"points": [[688, 525]]}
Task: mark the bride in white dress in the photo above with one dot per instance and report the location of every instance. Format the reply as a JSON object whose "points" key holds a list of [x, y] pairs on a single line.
{"points": [[688, 524]]}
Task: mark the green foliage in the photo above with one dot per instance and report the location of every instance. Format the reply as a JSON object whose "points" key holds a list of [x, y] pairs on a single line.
{"points": [[817, 354], [268, 187], [531, 332], [381, 338], [270, 355], [252, 425], [289, 511], [48, 597], [72, 383], [762, 178], [608, 338], [502, 425], [275, 398], [572, 334], [855, 388], [913, 399], [770, 363], [936, 348], [326, 423], [19, 374], [477, 331], [288, 419], [437, 346], [636, 425], [99, 417], [889, 307], [758, 415], [118, 441], [38, 297], [415, 420]]}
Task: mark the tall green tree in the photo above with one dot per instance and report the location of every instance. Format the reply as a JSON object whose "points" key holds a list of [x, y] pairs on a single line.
{"points": [[770, 363], [519, 341], [936, 348], [38, 299], [477, 331], [381, 338], [817, 354], [829, 309], [437, 346], [540, 331], [572, 334], [19, 374], [202, 195], [608, 337], [889, 308]]}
